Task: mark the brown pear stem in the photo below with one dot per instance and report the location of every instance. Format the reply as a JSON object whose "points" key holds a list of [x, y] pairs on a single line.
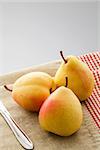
{"points": [[5, 86], [66, 82], [61, 53], [50, 90]]}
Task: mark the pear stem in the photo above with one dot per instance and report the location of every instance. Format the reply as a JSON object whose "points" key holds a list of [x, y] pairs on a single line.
{"points": [[61, 53], [66, 81], [5, 86], [50, 90]]}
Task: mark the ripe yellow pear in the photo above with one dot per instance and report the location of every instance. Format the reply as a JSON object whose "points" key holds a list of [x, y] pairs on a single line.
{"points": [[32, 89], [80, 78], [61, 113]]}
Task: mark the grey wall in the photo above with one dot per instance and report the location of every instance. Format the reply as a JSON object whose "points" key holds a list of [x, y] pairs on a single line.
{"points": [[33, 33]]}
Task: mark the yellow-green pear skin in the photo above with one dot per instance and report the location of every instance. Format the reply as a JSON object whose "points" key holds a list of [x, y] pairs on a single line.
{"points": [[61, 113], [80, 77], [32, 89]]}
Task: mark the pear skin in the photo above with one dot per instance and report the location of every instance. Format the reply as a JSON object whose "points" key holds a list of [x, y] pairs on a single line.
{"points": [[80, 77], [32, 89], [61, 113]]}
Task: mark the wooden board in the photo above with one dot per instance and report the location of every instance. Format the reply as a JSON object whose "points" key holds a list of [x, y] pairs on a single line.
{"points": [[86, 138]]}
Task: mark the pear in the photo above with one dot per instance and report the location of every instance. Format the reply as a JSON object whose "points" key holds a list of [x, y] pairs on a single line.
{"points": [[80, 77], [32, 89], [61, 113]]}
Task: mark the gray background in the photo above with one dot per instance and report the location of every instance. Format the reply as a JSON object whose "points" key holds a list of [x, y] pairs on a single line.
{"points": [[33, 33]]}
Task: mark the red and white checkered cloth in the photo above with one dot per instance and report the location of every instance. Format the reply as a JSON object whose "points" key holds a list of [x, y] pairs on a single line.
{"points": [[93, 102]]}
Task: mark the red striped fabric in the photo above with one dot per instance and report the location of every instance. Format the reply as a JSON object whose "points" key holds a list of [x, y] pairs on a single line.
{"points": [[93, 102]]}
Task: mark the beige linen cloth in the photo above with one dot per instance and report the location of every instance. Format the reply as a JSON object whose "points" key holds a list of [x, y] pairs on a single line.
{"points": [[87, 138]]}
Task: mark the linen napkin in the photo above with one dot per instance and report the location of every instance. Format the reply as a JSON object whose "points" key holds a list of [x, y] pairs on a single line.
{"points": [[93, 102]]}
